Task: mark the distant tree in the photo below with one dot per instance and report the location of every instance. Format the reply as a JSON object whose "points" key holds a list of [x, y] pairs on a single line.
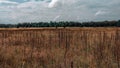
{"points": [[118, 23]]}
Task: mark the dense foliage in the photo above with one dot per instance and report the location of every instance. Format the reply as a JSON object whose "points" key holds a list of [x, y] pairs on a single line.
{"points": [[63, 24]]}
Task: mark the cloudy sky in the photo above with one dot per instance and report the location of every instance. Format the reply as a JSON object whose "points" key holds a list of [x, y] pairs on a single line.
{"points": [[18, 11]]}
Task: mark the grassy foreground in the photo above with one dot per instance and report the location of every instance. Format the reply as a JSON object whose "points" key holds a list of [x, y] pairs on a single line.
{"points": [[60, 48]]}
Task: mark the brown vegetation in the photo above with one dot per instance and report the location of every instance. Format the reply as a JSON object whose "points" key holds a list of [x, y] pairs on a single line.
{"points": [[60, 48]]}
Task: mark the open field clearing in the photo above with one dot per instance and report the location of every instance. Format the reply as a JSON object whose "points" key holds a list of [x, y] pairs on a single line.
{"points": [[60, 47]]}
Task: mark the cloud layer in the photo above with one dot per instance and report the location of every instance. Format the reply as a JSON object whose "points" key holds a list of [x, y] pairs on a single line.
{"points": [[17, 11]]}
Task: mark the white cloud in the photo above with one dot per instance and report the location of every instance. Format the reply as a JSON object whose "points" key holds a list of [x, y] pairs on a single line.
{"points": [[58, 10], [27, 5], [53, 3], [7, 2], [100, 12], [56, 18]]}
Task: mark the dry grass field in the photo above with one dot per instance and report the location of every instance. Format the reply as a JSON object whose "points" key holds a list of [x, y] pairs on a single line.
{"points": [[60, 48]]}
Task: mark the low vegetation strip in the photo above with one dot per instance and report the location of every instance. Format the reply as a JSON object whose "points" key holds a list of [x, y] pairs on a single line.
{"points": [[63, 24], [58, 28], [60, 47]]}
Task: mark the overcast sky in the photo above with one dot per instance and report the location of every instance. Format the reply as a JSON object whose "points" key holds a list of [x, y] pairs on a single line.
{"points": [[18, 11]]}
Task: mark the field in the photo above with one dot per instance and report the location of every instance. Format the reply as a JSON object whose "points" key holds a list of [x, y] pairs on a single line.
{"points": [[60, 47]]}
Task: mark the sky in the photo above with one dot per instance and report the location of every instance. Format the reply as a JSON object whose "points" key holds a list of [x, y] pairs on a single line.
{"points": [[18, 11]]}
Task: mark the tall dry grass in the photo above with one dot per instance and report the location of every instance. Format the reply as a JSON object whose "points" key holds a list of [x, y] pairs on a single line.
{"points": [[60, 48]]}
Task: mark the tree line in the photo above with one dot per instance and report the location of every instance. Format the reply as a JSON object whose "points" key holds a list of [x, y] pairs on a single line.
{"points": [[63, 24]]}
